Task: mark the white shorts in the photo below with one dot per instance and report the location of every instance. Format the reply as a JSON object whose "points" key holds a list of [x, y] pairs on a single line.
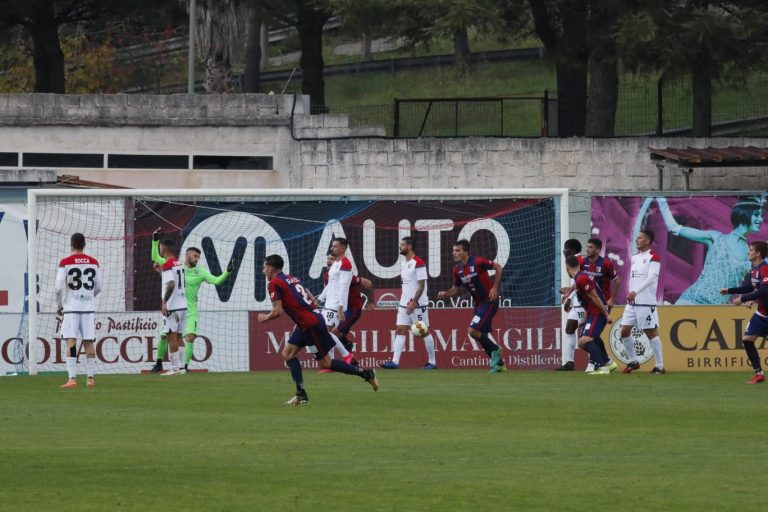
{"points": [[644, 317], [420, 314], [577, 313], [331, 317], [176, 321], [81, 326]]}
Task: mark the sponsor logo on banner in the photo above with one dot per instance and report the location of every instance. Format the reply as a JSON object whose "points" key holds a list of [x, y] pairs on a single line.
{"points": [[642, 344], [530, 338]]}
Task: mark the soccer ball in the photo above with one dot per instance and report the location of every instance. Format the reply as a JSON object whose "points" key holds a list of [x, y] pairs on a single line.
{"points": [[419, 329]]}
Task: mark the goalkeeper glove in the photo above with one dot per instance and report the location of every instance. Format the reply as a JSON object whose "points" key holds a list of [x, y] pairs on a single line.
{"points": [[231, 265], [156, 234]]}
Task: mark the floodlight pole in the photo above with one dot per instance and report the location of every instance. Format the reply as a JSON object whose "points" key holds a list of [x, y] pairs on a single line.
{"points": [[191, 50]]}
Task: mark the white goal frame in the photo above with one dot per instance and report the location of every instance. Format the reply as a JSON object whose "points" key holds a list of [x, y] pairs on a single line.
{"points": [[318, 193]]}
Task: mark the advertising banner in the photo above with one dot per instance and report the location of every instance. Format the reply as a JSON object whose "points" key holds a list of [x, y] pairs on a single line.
{"points": [[702, 241], [530, 338]]}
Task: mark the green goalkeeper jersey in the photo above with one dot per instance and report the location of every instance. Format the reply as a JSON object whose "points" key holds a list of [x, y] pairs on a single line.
{"points": [[193, 278]]}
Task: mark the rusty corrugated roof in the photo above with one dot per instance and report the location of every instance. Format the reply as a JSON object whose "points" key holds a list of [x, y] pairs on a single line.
{"points": [[732, 156]]}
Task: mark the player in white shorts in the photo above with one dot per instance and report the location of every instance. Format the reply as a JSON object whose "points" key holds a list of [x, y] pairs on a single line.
{"points": [[78, 282], [412, 307], [174, 301], [641, 310], [571, 247], [336, 295]]}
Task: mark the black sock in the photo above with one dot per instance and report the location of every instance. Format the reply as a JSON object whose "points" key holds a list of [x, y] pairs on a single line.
{"points": [[159, 362], [601, 345], [595, 354], [754, 357], [488, 346], [295, 366], [340, 366]]}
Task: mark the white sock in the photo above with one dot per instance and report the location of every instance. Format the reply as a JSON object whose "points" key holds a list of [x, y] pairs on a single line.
{"points": [[343, 352], [569, 347], [72, 367], [175, 360], [656, 346], [429, 344], [90, 364], [629, 346], [398, 347]]}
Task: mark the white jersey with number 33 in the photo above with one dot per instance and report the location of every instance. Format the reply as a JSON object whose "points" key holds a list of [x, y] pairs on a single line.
{"points": [[78, 282]]}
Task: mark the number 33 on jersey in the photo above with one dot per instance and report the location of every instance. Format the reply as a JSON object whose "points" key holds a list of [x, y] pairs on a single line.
{"points": [[78, 282]]}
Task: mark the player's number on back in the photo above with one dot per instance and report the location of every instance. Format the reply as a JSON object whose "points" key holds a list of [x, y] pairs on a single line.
{"points": [[180, 279], [81, 279], [303, 293]]}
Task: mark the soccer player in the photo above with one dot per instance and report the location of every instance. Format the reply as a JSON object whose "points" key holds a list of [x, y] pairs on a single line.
{"points": [[336, 293], [174, 303], [754, 288], [289, 296], [194, 276], [641, 310], [162, 345], [571, 305], [604, 273], [412, 307], [597, 316], [78, 282], [359, 287], [472, 272]]}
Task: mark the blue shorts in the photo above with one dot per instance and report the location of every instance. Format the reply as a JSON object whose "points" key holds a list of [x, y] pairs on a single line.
{"points": [[593, 326], [316, 336], [350, 317], [757, 326], [483, 315]]}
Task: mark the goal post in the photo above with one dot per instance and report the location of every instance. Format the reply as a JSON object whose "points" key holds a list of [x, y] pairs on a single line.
{"points": [[510, 224]]}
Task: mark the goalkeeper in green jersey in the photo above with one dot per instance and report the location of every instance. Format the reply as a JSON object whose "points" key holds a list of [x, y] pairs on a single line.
{"points": [[194, 276]]}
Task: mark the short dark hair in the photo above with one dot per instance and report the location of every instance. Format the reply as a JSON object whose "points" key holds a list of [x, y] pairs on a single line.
{"points": [[464, 244], [572, 262], [596, 242], [274, 260], [648, 233], [169, 243], [77, 241], [194, 249], [410, 241], [573, 245], [741, 213], [761, 247], [342, 241]]}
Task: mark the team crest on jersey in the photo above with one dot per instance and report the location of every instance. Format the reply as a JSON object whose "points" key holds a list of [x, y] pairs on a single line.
{"points": [[471, 268], [642, 344]]}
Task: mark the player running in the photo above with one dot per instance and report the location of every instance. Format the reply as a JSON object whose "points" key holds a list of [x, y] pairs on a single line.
{"points": [[641, 310], [78, 283], [359, 287], [412, 307], [174, 302], [596, 316], [754, 288], [289, 296], [472, 272], [572, 306]]}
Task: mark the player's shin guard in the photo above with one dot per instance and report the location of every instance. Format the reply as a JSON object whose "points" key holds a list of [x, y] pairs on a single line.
{"points": [[340, 366], [189, 350], [753, 355], [488, 346], [90, 365], [595, 354], [343, 352], [657, 354], [72, 367], [429, 344], [569, 347], [175, 362], [397, 348], [629, 347], [295, 367]]}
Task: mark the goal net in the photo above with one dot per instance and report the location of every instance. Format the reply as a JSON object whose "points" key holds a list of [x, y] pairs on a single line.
{"points": [[523, 230]]}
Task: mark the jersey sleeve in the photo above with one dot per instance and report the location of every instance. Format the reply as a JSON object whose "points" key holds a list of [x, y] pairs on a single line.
{"points": [[483, 263], [610, 269], [456, 278], [61, 283], [421, 270], [215, 280], [275, 291], [345, 279], [97, 281], [584, 284], [156, 258]]}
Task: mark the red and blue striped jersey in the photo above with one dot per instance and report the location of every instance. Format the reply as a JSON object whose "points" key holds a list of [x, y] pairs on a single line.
{"points": [[585, 284], [296, 302], [474, 275], [602, 271], [755, 287]]}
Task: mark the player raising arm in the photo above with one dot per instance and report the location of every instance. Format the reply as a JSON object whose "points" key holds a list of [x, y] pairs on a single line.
{"points": [[78, 282], [472, 271], [754, 288], [289, 297]]}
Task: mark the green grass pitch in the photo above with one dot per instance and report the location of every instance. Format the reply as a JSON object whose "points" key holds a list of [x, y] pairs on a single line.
{"points": [[444, 440]]}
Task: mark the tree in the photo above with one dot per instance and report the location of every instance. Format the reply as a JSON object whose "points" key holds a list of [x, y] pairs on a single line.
{"points": [[704, 40], [252, 75], [602, 67]]}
